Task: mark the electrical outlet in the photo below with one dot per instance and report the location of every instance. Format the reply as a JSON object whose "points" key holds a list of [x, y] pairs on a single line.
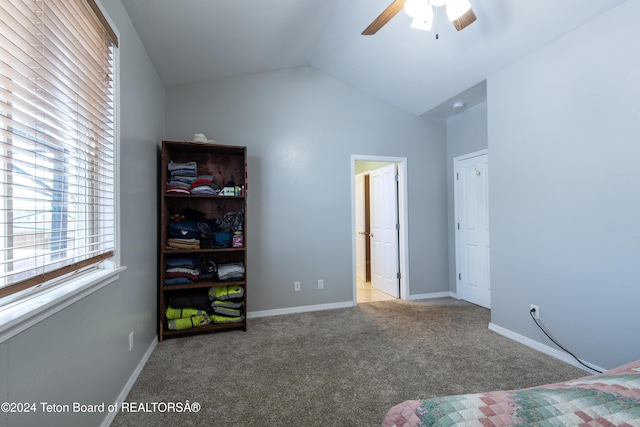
{"points": [[130, 340], [536, 311], [296, 286], [320, 284]]}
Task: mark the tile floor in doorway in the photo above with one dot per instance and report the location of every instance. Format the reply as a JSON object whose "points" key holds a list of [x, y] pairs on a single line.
{"points": [[367, 293]]}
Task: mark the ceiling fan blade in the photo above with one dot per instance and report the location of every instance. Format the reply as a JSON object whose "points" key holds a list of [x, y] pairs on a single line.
{"points": [[386, 15], [464, 20]]}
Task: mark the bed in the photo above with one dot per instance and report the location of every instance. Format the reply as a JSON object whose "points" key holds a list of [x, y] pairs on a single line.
{"points": [[608, 399]]}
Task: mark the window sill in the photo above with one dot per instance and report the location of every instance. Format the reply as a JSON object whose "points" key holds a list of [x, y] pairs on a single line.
{"points": [[24, 311]]}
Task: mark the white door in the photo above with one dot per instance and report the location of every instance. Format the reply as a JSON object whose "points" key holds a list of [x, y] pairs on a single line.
{"points": [[472, 228], [384, 233], [361, 240]]}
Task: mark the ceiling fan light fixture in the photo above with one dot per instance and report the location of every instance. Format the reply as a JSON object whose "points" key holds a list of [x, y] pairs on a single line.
{"points": [[421, 12], [460, 13], [417, 8]]}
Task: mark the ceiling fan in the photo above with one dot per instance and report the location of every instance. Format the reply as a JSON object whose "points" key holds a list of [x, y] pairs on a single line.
{"points": [[459, 13]]}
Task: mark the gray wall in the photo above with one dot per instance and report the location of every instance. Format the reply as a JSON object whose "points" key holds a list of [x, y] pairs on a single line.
{"points": [[466, 133], [301, 128], [81, 354], [563, 130], [564, 142]]}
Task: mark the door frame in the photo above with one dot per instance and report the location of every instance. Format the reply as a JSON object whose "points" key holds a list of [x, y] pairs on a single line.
{"points": [[367, 231], [403, 218], [456, 210]]}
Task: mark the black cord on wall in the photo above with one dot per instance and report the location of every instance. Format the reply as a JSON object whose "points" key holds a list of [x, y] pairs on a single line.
{"points": [[533, 310]]}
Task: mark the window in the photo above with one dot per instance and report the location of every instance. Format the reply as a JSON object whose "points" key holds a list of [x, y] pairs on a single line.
{"points": [[57, 140]]}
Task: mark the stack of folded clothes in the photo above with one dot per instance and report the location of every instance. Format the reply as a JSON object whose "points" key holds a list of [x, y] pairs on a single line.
{"points": [[230, 272], [186, 318], [227, 303], [188, 309], [204, 184], [182, 177], [182, 269], [178, 243], [183, 234]]}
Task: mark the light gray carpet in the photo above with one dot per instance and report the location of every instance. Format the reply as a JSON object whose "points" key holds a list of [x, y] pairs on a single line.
{"points": [[343, 367]]}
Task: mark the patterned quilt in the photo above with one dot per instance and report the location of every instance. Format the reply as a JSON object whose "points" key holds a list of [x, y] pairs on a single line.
{"points": [[608, 399]]}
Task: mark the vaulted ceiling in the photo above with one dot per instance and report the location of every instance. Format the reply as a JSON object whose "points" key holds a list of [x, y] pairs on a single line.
{"points": [[198, 40]]}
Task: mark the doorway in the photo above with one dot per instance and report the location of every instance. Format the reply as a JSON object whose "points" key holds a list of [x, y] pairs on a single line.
{"points": [[471, 195], [380, 236]]}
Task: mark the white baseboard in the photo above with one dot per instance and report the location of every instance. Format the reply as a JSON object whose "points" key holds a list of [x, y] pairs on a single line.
{"points": [[433, 295], [550, 351], [301, 309], [346, 304], [132, 379]]}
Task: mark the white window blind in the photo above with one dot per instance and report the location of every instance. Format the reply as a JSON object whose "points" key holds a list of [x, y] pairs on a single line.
{"points": [[57, 137]]}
